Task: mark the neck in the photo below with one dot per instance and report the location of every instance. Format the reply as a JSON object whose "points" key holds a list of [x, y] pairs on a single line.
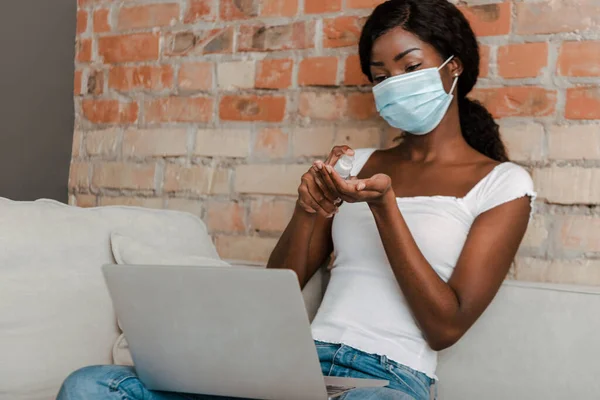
{"points": [[444, 144]]}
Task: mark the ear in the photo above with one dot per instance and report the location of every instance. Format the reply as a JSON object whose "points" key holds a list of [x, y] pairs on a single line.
{"points": [[455, 66]]}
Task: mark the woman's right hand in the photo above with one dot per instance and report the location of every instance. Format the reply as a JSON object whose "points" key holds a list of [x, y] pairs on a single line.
{"points": [[314, 197]]}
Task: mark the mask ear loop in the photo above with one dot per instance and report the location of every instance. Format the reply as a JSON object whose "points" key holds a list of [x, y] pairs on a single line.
{"points": [[446, 62], [454, 84]]}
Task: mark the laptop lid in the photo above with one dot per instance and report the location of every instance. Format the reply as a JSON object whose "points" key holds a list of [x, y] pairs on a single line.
{"points": [[223, 331]]}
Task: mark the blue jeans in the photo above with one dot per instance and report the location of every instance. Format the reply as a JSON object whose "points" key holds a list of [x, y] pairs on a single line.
{"points": [[113, 382]]}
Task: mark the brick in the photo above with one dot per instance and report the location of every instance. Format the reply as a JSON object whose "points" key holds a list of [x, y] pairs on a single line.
{"points": [[238, 9], [269, 179], [274, 73], [363, 3], [225, 217], [200, 10], [82, 21], [109, 111], [322, 105], [252, 108], [537, 232], [322, 6], [578, 233], [574, 272], [102, 20], [271, 143], [102, 143], [147, 16], [489, 19], [155, 142], [236, 75], [583, 103], [247, 248], [342, 31], [574, 142], [198, 179], [358, 138], [270, 215], [361, 106], [118, 175], [524, 142], [484, 63], [294, 36], [223, 143], [144, 77], [145, 202], [568, 185], [124, 48], [83, 200], [556, 16], [515, 101], [318, 71], [353, 75], [79, 175], [191, 206], [190, 43], [83, 50], [95, 82], [279, 8], [313, 142], [179, 109], [77, 144], [77, 83], [196, 76], [579, 59], [526, 60]]}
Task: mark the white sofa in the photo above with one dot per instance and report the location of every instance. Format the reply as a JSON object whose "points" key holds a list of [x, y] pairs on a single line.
{"points": [[535, 341]]}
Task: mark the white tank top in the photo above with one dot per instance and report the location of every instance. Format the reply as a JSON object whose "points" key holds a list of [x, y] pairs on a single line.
{"points": [[363, 306]]}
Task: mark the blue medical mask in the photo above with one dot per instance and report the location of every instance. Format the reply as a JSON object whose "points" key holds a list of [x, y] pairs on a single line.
{"points": [[415, 102]]}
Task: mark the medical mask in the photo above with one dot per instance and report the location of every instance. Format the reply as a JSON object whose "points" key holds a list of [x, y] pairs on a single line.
{"points": [[415, 102]]}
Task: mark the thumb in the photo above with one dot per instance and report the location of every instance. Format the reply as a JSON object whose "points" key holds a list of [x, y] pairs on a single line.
{"points": [[377, 183]]}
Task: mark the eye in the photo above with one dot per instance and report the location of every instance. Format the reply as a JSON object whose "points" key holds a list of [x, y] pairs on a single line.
{"points": [[379, 79], [412, 67]]}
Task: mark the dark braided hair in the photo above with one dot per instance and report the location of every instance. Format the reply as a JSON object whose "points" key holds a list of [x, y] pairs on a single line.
{"points": [[442, 25]]}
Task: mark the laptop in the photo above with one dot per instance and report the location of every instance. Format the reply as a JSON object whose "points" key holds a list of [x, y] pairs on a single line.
{"points": [[224, 331]]}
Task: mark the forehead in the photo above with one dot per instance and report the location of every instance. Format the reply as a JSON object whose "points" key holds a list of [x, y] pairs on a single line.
{"points": [[396, 41]]}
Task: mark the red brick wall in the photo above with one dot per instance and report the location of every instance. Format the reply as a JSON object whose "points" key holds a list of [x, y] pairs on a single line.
{"points": [[217, 108]]}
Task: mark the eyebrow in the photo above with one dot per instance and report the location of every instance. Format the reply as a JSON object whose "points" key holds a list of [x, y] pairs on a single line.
{"points": [[396, 59]]}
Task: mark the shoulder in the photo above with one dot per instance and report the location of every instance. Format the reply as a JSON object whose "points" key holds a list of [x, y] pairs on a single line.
{"points": [[506, 182]]}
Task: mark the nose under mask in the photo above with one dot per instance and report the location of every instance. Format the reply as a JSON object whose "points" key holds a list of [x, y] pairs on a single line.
{"points": [[415, 102]]}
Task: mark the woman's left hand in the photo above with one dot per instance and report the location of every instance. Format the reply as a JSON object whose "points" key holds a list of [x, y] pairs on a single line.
{"points": [[354, 190]]}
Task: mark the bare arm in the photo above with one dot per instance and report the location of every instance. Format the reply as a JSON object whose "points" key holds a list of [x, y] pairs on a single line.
{"points": [[445, 311], [304, 245], [306, 242]]}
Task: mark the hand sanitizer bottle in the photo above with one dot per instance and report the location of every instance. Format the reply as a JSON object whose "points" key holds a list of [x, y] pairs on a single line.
{"points": [[344, 166]]}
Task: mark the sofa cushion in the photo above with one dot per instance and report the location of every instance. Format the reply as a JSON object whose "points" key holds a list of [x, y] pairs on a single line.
{"points": [[55, 311], [133, 251]]}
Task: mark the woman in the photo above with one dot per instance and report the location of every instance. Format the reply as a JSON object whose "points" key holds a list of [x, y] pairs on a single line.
{"points": [[422, 238]]}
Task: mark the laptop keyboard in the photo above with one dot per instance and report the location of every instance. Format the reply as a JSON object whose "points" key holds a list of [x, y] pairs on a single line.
{"points": [[335, 390]]}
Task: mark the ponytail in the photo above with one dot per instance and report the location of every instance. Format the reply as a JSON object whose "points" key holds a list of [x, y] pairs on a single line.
{"points": [[480, 130]]}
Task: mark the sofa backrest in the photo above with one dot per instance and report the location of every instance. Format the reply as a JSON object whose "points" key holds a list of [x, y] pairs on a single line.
{"points": [[55, 311], [534, 342]]}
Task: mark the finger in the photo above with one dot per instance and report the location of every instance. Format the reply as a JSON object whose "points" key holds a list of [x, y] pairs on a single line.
{"points": [[325, 206], [341, 185], [322, 178], [377, 183], [337, 152], [330, 185], [306, 208], [307, 199]]}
